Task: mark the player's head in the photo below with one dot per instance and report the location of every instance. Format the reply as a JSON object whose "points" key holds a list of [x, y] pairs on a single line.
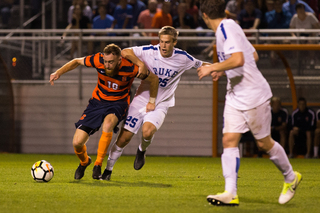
{"points": [[302, 104], [167, 39], [112, 57], [213, 9], [275, 104]]}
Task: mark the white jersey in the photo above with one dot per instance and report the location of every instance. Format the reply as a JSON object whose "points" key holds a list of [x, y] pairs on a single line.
{"points": [[246, 88], [169, 71]]}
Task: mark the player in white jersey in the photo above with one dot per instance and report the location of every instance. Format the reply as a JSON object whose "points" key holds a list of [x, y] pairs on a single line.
{"points": [[168, 63], [247, 104]]}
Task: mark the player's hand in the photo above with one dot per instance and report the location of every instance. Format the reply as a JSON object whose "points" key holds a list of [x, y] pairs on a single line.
{"points": [[216, 75], [150, 107], [53, 77], [204, 71]]}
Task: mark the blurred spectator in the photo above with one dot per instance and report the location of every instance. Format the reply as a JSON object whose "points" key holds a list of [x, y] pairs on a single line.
{"points": [[102, 21], [79, 21], [278, 18], [290, 6], [233, 8], [110, 6], [183, 20], [162, 19], [270, 5], [250, 16], [193, 10], [145, 17], [316, 136], [303, 19], [5, 11], [265, 6], [314, 5], [85, 8], [302, 124], [122, 14], [279, 121], [137, 6]]}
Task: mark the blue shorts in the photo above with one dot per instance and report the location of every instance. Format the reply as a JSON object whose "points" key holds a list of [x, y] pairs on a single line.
{"points": [[93, 116]]}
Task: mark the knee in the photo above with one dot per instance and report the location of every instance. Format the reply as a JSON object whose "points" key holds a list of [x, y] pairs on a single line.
{"points": [[147, 133], [77, 142]]}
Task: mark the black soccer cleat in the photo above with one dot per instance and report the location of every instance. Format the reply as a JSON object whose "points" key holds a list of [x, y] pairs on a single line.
{"points": [[96, 172], [106, 175], [140, 159], [80, 170]]}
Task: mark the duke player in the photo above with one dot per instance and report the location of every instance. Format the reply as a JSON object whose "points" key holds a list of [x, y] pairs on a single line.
{"points": [[247, 103], [168, 63], [109, 102]]}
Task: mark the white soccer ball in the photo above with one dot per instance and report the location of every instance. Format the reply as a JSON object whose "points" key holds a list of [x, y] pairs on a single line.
{"points": [[42, 171]]}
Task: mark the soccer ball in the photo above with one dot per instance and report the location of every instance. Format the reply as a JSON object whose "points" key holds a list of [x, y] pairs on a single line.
{"points": [[42, 171]]}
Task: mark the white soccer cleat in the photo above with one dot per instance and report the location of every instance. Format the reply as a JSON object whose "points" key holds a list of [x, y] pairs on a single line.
{"points": [[289, 189], [223, 199]]}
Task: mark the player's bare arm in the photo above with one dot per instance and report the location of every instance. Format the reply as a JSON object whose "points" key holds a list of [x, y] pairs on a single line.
{"points": [[235, 60], [66, 68], [256, 56], [154, 84], [144, 74]]}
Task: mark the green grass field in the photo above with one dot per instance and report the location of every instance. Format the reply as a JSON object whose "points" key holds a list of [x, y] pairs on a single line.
{"points": [[164, 184]]}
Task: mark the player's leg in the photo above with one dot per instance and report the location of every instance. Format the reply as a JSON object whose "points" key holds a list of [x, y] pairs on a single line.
{"points": [[316, 142], [283, 138], [293, 133], [116, 151], [152, 122], [230, 160], [148, 131], [309, 143], [234, 126], [79, 144], [260, 127], [109, 123], [280, 159]]}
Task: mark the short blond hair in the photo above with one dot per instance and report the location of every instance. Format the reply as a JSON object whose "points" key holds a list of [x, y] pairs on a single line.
{"points": [[168, 30]]}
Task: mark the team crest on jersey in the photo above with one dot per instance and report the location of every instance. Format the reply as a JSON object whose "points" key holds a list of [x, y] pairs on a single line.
{"points": [[197, 64], [124, 78]]}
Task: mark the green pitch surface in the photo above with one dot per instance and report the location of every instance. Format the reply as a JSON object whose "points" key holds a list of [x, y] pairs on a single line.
{"points": [[164, 184]]}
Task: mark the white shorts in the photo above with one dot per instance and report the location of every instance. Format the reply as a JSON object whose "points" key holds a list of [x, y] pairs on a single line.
{"points": [[137, 116], [258, 120]]}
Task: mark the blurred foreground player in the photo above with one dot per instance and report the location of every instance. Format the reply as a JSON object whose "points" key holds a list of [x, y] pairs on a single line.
{"points": [[109, 103], [247, 105]]}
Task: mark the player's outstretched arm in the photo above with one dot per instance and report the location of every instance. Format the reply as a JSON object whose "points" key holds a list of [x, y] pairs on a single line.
{"points": [[235, 60], [66, 68]]}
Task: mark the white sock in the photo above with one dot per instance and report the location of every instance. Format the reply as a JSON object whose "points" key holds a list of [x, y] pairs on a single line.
{"points": [[145, 143], [230, 160], [315, 151], [114, 155], [280, 159]]}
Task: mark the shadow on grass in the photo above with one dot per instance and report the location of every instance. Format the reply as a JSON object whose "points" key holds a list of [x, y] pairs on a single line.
{"points": [[104, 183], [257, 200]]}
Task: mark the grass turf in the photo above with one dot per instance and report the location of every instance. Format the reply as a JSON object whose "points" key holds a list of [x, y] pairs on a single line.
{"points": [[164, 184]]}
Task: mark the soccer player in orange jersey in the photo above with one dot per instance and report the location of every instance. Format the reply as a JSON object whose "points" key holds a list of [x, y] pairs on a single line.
{"points": [[109, 102]]}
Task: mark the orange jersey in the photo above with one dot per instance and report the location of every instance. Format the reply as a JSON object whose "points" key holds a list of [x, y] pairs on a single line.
{"points": [[112, 88]]}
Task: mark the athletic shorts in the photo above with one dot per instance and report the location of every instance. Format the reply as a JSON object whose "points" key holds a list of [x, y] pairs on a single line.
{"points": [[258, 120], [93, 116], [137, 116]]}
